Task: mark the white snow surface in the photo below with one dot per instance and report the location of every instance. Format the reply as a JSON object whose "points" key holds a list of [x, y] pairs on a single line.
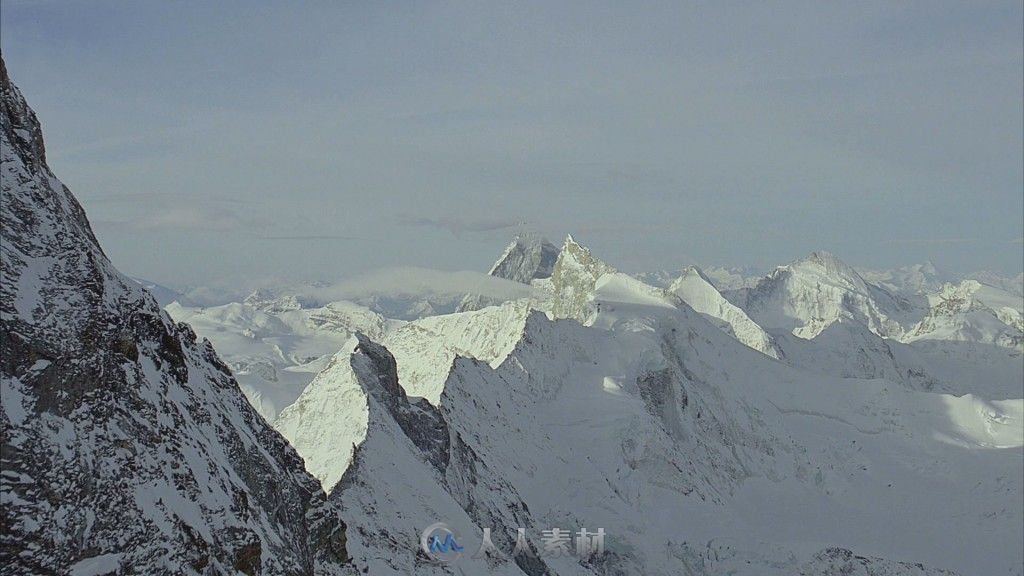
{"points": [[697, 290]]}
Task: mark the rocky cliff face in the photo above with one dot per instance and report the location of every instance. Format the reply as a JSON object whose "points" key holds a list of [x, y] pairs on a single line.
{"points": [[126, 443], [573, 281], [529, 257]]}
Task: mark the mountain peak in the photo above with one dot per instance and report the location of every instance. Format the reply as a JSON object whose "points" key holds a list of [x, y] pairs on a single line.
{"points": [[573, 251], [529, 256], [700, 293], [272, 301], [695, 271], [829, 266], [574, 279], [26, 135], [385, 369], [826, 259], [809, 295]]}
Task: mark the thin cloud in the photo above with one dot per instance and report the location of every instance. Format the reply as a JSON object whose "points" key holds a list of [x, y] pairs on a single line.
{"points": [[411, 281], [458, 226], [929, 241], [308, 237], [182, 218], [160, 199]]}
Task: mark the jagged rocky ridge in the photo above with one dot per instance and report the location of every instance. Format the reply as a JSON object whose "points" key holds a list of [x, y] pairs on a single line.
{"points": [[127, 445], [700, 294]]}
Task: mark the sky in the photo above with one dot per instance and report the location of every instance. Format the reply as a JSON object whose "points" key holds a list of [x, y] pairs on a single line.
{"points": [[236, 143]]}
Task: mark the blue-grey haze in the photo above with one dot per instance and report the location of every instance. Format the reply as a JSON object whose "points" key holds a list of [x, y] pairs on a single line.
{"points": [[241, 141]]}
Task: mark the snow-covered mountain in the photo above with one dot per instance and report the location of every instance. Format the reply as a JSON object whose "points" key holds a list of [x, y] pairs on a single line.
{"points": [[972, 312], [527, 258], [127, 445], [696, 454], [828, 318], [926, 278], [697, 290], [811, 294], [331, 411], [827, 315]]}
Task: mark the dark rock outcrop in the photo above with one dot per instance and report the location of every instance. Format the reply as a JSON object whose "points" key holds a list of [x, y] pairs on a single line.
{"points": [[126, 443]]}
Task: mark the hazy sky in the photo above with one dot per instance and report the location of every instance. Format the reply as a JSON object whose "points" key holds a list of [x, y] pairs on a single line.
{"points": [[240, 141]]}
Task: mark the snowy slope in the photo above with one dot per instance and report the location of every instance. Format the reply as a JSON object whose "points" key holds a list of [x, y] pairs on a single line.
{"points": [[127, 445], [426, 348], [327, 419], [697, 290], [331, 415], [635, 418]]}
